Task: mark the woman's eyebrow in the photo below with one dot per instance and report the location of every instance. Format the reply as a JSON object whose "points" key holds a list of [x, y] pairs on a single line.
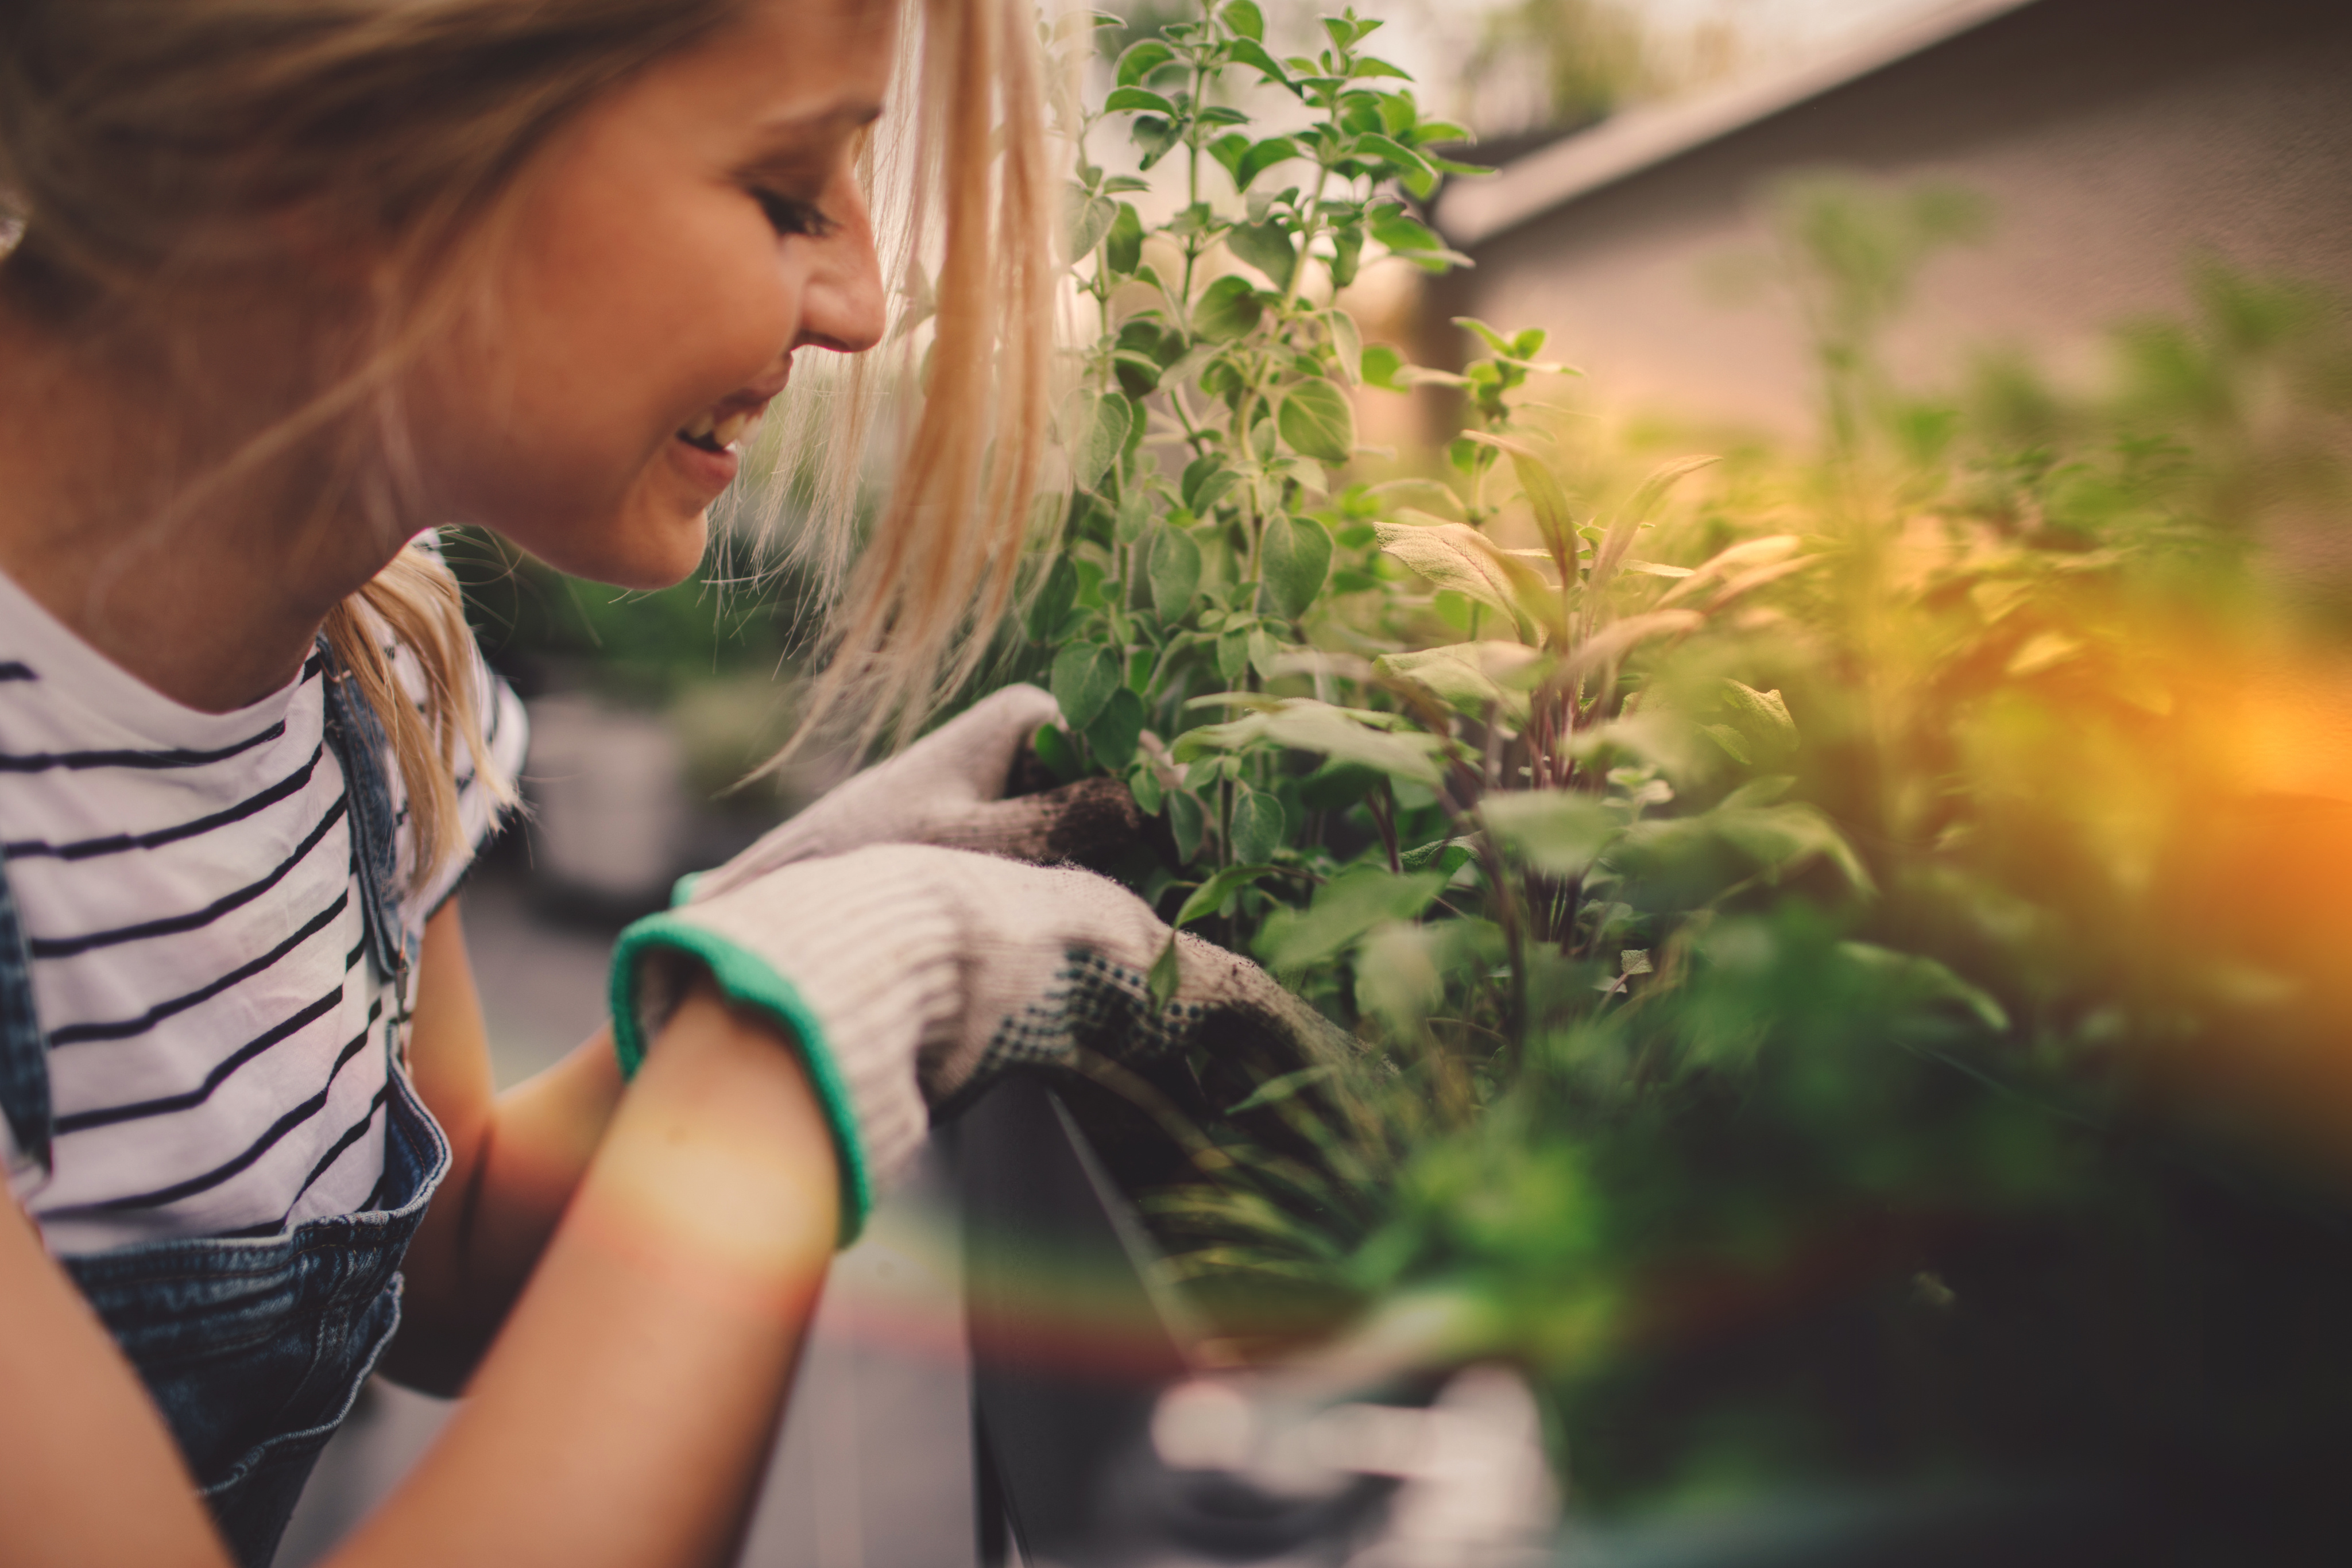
{"points": [[788, 129]]}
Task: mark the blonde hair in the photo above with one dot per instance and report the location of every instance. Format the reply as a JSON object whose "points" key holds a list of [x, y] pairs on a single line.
{"points": [[141, 140]]}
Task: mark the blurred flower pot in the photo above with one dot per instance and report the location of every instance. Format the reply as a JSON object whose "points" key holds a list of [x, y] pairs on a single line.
{"points": [[607, 788]]}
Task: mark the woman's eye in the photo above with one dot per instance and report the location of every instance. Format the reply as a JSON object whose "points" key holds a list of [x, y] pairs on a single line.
{"points": [[791, 215]]}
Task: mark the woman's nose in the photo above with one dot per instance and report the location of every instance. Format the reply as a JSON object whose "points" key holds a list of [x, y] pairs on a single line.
{"points": [[843, 306]]}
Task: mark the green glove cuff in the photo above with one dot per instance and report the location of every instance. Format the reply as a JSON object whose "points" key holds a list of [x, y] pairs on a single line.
{"points": [[747, 980]]}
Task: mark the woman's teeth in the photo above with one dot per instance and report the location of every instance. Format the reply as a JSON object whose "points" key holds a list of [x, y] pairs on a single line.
{"points": [[713, 433]]}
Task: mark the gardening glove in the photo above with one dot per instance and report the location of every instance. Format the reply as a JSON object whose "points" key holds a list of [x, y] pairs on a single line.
{"points": [[945, 790], [912, 977]]}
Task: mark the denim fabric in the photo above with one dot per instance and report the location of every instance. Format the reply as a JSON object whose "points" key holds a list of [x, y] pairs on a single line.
{"points": [[254, 1350], [359, 742], [24, 1049]]}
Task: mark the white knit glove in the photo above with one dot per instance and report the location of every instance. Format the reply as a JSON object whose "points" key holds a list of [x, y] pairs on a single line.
{"points": [[946, 788], [911, 978]]}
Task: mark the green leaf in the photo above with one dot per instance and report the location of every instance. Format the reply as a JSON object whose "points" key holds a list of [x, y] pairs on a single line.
{"points": [[1252, 53], [1369, 67], [1085, 675], [1383, 367], [1735, 744], [1229, 150], [1617, 639], [1258, 825], [1166, 974], [1226, 310], [1344, 735], [1347, 344], [1210, 896], [1776, 839], [1154, 137], [1336, 786], [1133, 516], [1394, 229], [1207, 481], [1456, 556], [1286, 1086], [1763, 718], [1262, 156], [1487, 335], [1061, 758], [1123, 242], [1782, 837], [1316, 421], [1554, 519], [1928, 979], [1444, 854], [1388, 150], [1055, 597], [1663, 479], [1344, 909], [1118, 728], [1266, 246], [1346, 255], [1232, 656], [1175, 571], [1188, 822], [1294, 557], [1262, 652], [1471, 677], [1140, 99], [1559, 831], [1143, 783], [1099, 426], [1140, 59], [1243, 19], [1089, 221]]}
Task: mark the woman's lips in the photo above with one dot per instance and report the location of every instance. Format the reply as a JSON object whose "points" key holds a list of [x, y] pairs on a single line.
{"points": [[713, 431]]}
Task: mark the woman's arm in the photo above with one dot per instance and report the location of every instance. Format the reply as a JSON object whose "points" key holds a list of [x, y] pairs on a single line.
{"points": [[516, 1160], [622, 1417]]}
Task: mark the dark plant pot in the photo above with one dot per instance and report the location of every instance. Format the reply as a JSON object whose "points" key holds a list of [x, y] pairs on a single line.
{"points": [[1074, 1346]]}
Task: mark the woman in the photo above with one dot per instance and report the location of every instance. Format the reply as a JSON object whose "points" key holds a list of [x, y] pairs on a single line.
{"points": [[297, 281]]}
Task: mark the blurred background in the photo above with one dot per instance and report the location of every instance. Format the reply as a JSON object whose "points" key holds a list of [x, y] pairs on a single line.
{"points": [[2031, 189]]}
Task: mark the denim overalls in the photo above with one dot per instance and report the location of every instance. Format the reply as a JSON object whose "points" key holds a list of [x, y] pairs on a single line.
{"points": [[254, 1350]]}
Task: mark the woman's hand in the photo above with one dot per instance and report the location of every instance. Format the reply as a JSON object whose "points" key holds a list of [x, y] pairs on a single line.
{"points": [[947, 788], [913, 977]]}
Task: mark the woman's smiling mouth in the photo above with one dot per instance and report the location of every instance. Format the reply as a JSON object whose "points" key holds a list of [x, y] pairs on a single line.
{"points": [[712, 432]]}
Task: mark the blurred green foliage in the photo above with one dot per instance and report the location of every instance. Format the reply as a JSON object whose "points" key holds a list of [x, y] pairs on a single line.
{"points": [[1839, 939]]}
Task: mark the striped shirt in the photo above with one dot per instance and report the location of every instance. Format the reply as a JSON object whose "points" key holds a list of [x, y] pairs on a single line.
{"points": [[219, 1041]]}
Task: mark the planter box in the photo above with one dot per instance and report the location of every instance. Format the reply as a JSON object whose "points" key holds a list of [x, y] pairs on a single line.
{"points": [[1076, 1352], [1082, 1366]]}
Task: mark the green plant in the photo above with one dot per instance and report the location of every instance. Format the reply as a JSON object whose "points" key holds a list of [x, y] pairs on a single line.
{"points": [[1768, 901]]}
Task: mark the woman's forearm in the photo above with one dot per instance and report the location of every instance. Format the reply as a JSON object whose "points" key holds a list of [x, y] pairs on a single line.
{"points": [[623, 1412], [516, 1160]]}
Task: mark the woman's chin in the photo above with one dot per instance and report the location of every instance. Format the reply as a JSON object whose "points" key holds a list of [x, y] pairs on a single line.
{"points": [[646, 552]]}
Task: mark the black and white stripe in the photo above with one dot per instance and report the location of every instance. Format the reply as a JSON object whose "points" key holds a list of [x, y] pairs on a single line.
{"points": [[220, 1044]]}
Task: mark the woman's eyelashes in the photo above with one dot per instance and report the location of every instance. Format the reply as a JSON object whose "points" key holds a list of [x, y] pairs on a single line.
{"points": [[791, 216]]}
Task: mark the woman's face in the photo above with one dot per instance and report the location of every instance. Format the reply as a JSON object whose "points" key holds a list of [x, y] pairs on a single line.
{"points": [[669, 252]]}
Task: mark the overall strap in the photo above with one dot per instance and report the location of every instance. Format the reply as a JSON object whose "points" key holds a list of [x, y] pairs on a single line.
{"points": [[357, 735], [24, 1049]]}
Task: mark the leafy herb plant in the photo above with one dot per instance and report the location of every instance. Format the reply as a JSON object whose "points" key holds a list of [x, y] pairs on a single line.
{"points": [[1748, 883]]}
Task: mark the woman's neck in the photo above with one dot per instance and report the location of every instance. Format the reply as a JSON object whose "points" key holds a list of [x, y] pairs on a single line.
{"points": [[125, 512]]}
